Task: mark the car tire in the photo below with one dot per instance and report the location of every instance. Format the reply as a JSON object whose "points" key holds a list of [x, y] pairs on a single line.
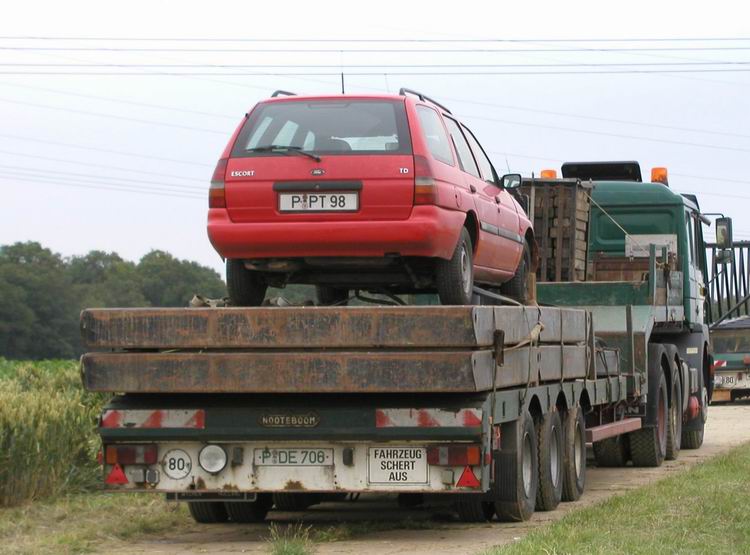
{"points": [[331, 296], [454, 278], [517, 287], [244, 287]]}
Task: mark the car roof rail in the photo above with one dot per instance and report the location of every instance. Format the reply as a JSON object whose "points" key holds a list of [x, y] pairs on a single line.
{"points": [[403, 91], [284, 93]]}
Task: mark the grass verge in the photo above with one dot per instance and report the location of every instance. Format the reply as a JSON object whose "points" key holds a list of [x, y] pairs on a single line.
{"points": [[703, 510]]}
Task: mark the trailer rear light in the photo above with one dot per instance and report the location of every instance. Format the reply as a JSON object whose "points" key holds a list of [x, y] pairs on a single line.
{"points": [[549, 174], [454, 455], [131, 454], [212, 459], [425, 191], [216, 198]]}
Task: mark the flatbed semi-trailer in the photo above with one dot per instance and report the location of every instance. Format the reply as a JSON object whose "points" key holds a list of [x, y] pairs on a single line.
{"points": [[238, 409]]}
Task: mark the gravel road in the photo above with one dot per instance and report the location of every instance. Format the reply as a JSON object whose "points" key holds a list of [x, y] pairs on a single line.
{"points": [[727, 427]]}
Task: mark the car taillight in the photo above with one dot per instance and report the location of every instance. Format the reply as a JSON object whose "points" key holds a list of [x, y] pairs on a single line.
{"points": [[131, 454], [425, 191], [454, 455], [216, 198]]}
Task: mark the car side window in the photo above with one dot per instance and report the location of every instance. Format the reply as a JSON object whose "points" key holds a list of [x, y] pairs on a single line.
{"points": [[462, 148], [485, 166], [434, 134]]}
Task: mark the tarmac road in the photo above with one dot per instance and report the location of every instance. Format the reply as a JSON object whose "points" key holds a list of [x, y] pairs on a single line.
{"points": [[727, 427]]}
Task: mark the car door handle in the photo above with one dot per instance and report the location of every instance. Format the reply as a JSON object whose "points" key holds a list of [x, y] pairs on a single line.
{"points": [[472, 188]]}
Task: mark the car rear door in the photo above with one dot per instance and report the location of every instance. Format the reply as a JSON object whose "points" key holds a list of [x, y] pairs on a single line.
{"points": [[365, 169]]}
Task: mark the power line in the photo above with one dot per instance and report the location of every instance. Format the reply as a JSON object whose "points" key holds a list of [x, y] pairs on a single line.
{"points": [[106, 150], [104, 166], [112, 116], [363, 40]]}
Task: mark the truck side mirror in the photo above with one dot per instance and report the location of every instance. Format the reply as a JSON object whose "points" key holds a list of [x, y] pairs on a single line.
{"points": [[511, 181], [724, 233]]}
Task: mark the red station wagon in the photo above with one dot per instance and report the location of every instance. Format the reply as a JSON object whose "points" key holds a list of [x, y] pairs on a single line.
{"points": [[381, 193]]}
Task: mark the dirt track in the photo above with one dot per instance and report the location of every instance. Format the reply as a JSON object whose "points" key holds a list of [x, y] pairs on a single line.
{"points": [[727, 427]]}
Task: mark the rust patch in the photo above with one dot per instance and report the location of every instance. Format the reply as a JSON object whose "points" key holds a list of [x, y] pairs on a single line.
{"points": [[294, 485], [200, 484], [230, 487]]}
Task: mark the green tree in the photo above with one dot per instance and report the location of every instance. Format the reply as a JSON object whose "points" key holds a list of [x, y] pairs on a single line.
{"points": [[105, 280], [168, 281]]}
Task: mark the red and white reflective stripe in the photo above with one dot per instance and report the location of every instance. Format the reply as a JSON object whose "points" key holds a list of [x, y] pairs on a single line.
{"points": [[428, 418], [149, 418], [719, 364]]}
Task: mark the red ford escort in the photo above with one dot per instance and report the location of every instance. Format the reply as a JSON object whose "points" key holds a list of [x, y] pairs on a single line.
{"points": [[381, 193]]}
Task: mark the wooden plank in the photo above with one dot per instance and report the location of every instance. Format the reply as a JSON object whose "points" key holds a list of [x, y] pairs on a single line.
{"points": [[551, 362], [566, 325], [264, 372]]}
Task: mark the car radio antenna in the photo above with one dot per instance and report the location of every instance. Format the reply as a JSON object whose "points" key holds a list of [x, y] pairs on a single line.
{"points": [[342, 83]]}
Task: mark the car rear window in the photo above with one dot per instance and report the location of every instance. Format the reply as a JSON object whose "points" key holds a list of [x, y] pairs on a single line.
{"points": [[327, 127]]}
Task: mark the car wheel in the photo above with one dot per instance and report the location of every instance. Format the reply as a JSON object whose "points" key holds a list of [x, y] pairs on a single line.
{"points": [[518, 287], [455, 277], [331, 296], [245, 287]]}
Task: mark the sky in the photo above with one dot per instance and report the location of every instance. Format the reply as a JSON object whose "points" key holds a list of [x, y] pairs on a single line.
{"points": [[120, 160]]}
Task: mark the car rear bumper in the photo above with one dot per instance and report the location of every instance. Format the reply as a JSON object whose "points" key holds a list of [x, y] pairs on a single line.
{"points": [[430, 231]]}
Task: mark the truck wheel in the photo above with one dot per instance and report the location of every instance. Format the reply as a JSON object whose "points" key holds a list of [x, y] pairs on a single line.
{"points": [[574, 454], [294, 501], [693, 439], [516, 470], [648, 446], [454, 278], [331, 296], [207, 512], [611, 452], [518, 286], [474, 509], [674, 423], [550, 452], [250, 511], [245, 287]]}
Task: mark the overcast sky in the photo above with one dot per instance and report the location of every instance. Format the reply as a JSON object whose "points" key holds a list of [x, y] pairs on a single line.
{"points": [[69, 142]]}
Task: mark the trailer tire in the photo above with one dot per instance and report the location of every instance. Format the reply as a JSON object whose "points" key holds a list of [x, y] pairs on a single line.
{"points": [[250, 511], [244, 287], [693, 439], [516, 472], [474, 509], [611, 452], [574, 454], [454, 278], [207, 512], [550, 452], [286, 501], [331, 296], [648, 446], [518, 286], [674, 422]]}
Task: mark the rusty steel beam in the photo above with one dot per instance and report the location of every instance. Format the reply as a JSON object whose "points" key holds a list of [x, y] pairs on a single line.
{"points": [[288, 328], [288, 372], [598, 433]]}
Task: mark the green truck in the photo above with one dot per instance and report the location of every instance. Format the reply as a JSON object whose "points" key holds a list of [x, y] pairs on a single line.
{"points": [[489, 407]]}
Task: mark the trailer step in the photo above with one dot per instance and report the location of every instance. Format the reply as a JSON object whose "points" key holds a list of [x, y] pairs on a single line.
{"points": [[598, 433]]}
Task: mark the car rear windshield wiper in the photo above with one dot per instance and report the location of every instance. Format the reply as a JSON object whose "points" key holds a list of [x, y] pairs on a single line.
{"points": [[285, 149]]}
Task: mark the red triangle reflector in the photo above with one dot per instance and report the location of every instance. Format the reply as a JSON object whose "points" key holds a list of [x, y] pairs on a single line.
{"points": [[116, 477], [467, 479]]}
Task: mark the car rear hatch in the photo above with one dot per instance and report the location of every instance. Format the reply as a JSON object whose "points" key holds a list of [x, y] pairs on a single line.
{"points": [[364, 168]]}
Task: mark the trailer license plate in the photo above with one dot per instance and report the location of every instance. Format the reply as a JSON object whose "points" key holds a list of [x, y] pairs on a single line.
{"points": [[397, 465], [293, 457], [318, 202]]}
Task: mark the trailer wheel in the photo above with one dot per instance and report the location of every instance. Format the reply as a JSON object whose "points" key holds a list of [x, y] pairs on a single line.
{"points": [[693, 439], [611, 452], [284, 501], [518, 286], [244, 287], [648, 446], [331, 296], [574, 454], [250, 511], [455, 277], [674, 424], [516, 470], [207, 512], [474, 509], [550, 451]]}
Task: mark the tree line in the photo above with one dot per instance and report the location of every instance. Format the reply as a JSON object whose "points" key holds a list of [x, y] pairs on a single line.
{"points": [[42, 293]]}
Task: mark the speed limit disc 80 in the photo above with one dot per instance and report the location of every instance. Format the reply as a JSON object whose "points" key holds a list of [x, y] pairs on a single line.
{"points": [[177, 464]]}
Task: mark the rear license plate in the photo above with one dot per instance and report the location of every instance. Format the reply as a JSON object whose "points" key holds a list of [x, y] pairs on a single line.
{"points": [[397, 465], [293, 457], [318, 202]]}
